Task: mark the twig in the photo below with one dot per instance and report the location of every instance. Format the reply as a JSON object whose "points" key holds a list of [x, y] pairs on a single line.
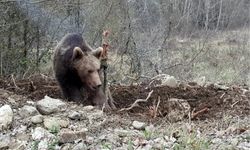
{"points": [[51, 86], [137, 101], [14, 82], [222, 95], [32, 87], [194, 115], [234, 103], [26, 72], [46, 77], [156, 108]]}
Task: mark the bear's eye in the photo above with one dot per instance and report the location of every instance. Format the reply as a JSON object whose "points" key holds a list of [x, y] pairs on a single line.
{"points": [[90, 71]]}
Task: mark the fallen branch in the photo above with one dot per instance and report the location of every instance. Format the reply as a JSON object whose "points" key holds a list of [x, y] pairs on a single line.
{"points": [[136, 102], [194, 115]]}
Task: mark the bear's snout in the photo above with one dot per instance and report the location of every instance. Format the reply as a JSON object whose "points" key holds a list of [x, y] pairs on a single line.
{"points": [[97, 86], [95, 83]]}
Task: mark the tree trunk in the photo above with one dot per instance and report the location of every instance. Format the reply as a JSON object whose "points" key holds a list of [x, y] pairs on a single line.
{"points": [[37, 47], [219, 16], [25, 41], [207, 7]]}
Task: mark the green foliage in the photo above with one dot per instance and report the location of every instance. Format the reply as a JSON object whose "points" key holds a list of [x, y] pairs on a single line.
{"points": [[106, 145], [53, 143], [191, 141], [130, 144], [54, 129], [247, 138], [147, 134], [34, 145]]}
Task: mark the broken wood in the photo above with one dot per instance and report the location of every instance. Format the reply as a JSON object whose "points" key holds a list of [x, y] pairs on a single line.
{"points": [[195, 114]]}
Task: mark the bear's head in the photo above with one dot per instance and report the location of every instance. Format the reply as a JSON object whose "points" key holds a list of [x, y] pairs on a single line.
{"points": [[87, 66]]}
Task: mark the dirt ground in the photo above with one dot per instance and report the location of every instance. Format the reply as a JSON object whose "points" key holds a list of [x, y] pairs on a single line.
{"points": [[214, 100]]}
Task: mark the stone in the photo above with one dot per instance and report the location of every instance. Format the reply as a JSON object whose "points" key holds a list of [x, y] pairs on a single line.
{"points": [[4, 141], [40, 133], [137, 142], [18, 145], [109, 138], [51, 123], [216, 140], [138, 125], [63, 123], [89, 140], [37, 119], [30, 103], [88, 108], [177, 109], [23, 136], [169, 81], [27, 111], [20, 129], [21, 133], [221, 87], [234, 141], [50, 105], [159, 143], [68, 136], [121, 132], [74, 115], [66, 146], [150, 128], [55, 123], [6, 117], [244, 145], [94, 116], [201, 81], [43, 145], [80, 146]]}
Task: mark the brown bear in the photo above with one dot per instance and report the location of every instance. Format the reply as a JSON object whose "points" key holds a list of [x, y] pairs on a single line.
{"points": [[77, 67]]}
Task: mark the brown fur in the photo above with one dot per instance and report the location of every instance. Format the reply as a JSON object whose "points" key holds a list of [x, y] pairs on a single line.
{"points": [[77, 67]]}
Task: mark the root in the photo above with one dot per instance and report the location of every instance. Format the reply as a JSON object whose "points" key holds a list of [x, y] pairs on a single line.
{"points": [[111, 101], [135, 104]]}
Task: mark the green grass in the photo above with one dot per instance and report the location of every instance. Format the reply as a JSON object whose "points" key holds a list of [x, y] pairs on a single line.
{"points": [[190, 141]]}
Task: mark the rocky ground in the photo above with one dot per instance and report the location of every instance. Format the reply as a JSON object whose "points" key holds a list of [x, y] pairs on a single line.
{"points": [[159, 114]]}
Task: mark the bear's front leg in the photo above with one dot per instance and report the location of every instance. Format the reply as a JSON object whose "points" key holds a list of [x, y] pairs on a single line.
{"points": [[72, 93]]}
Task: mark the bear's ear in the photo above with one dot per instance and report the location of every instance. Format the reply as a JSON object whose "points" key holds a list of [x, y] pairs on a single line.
{"points": [[98, 52], [77, 53]]}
